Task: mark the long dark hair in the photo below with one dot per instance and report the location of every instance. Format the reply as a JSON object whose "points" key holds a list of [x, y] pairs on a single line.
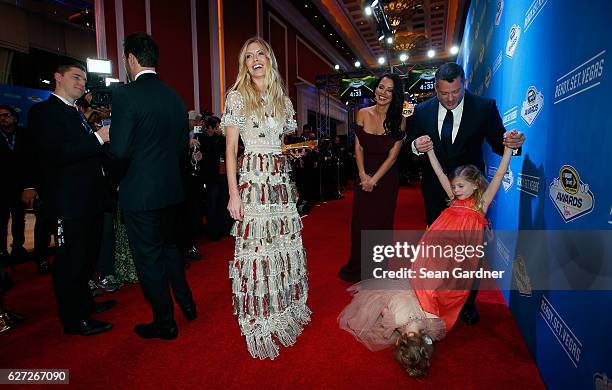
{"points": [[393, 118]]}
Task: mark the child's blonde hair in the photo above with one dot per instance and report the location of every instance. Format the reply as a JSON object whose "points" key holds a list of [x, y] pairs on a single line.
{"points": [[472, 174], [414, 353]]}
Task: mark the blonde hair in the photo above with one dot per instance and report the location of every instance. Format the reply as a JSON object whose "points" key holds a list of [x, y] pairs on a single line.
{"points": [[273, 83], [472, 174], [414, 354]]}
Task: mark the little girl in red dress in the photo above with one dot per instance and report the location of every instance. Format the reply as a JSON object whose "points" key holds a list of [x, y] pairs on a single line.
{"points": [[412, 315]]}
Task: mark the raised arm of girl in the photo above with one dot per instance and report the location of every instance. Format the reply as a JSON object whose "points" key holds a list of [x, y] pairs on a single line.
{"points": [[489, 194], [435, 164]]}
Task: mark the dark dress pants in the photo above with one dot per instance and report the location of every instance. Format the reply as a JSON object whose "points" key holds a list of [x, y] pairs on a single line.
{"points": [[152, 238], [73, 266]]}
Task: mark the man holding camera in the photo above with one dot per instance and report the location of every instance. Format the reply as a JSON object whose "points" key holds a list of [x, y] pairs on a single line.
{"points": [[72, 188]]}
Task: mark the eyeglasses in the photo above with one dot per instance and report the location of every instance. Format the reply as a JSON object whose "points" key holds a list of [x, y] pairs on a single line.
{"points": [[5, 115]]}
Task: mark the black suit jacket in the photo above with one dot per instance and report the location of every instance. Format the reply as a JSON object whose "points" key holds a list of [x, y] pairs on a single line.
{"points": [[71, 183], [480, 120], [15, 165], [149, 133]]}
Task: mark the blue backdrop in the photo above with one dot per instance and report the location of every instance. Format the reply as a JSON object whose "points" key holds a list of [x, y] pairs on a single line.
{"points": [[545, 63], [21, 99]]}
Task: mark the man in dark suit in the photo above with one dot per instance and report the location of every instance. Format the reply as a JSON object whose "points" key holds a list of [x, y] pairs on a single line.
{"points": [[72, 187], [13, 148], [455, 124], [149, 132]]}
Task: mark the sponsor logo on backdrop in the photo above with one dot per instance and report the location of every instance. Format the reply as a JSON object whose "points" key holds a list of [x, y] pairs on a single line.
{"points": [[508, 179], [481, 56], [498, 13], [503, 251], [477, 31], [483, 13], [533, 104], [510, 116], [497, 63], [515, 34], [602, 382], [533, 11], [562, 332], [479, 90], [570, 195], [528, 184], [580, 79], [520, 277], [35, 99], [488, 77], [489, 36]]}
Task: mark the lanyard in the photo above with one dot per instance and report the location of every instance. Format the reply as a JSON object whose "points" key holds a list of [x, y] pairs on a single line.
{"points": [[11, 142]]}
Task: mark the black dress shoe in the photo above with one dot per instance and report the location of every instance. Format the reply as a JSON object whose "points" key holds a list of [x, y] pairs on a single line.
{"points": [[43, 267], [154, 331], [88, 327], [101, 307], [470, 315], [190, 312]]}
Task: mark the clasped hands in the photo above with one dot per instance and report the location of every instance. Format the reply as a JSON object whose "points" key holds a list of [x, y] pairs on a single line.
{"points": [[367, 182], [513, 139]]}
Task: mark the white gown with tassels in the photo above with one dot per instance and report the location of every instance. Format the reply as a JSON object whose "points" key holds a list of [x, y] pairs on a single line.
{"points": [[268, 272]]}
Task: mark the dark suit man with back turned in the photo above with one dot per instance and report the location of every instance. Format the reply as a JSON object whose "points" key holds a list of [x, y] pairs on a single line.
{"points": [[72, 188], [455, 124], [149, 133]]}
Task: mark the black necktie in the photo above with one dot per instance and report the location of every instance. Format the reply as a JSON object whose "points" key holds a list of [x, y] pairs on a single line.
{"points": [[84, 123], [447, 130]]}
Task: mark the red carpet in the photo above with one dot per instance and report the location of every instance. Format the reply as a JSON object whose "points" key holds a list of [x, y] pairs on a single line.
{"points": [[210, 351]]}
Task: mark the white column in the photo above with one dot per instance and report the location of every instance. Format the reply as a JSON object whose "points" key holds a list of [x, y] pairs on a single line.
{"points": [[194, 53], [120, 37], [217, 55], [100, 29], [260, 18], [148, 15]]}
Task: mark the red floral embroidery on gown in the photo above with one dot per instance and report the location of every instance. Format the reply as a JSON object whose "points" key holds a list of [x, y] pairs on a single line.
{"points": [[462, 224]]}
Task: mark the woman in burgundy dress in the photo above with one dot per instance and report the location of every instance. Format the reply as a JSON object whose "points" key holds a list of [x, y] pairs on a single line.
{"points": [[379, 135]]}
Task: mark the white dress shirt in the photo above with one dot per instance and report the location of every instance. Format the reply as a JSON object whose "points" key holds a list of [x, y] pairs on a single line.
{"points": [[144, 72], [457, 114]]}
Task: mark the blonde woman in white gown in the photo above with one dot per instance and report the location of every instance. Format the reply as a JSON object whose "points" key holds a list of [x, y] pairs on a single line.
{"points": [[268, 272]]}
